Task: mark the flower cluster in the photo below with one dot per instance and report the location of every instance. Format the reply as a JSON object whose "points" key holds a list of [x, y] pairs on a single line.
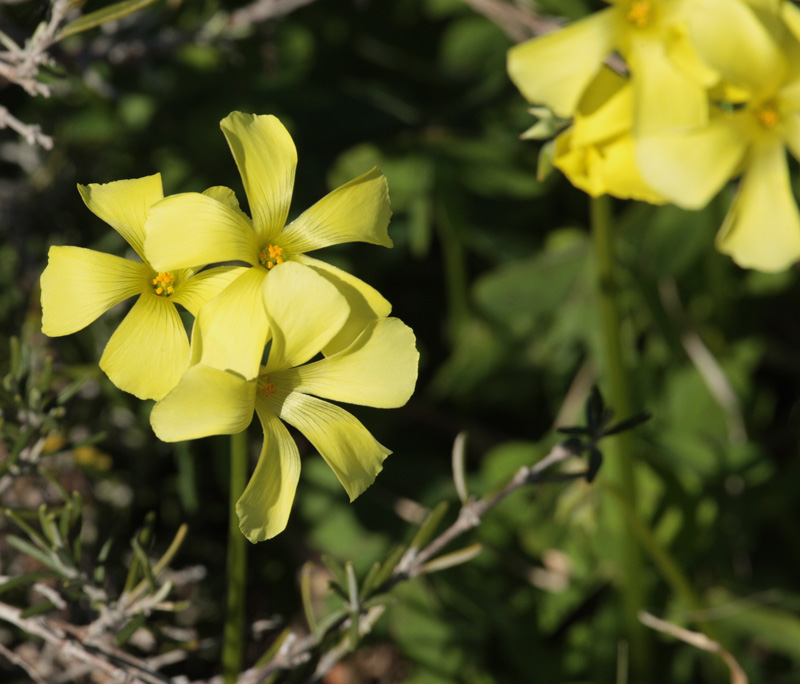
{"points": [[256, 327], [709, 90]]}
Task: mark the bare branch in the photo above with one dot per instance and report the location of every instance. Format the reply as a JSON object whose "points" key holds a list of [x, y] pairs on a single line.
{"points": [[262, 10]]}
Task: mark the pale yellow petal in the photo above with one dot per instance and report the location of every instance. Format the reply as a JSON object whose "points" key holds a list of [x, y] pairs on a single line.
{"points": [[201, 287], [192, 230], [729, 37], [124, 204], [790, 130], [762, 229], [79, 285], [267, 158], [231, 329], [264, 507], [379, 369], [206, 401], [664, 98], [149, 351], [605, 110], [688, 168], [555, 69], [304, 310], [348, 448], [357, 211], [365, 302]]}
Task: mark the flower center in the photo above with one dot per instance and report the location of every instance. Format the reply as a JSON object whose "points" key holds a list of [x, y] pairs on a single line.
{"points": [[162, 284], [270, 256], [266, 387], [767, 115], [640, 13]]}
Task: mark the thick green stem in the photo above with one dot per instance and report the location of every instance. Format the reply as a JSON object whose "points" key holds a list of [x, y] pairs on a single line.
{"points": [[233, 637], [618, 464]]}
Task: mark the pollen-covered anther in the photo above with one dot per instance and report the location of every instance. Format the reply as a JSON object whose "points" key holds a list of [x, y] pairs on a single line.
{"points": [[767, 115], [270, 256], [640, 13], [266, 387], [162, 284]]}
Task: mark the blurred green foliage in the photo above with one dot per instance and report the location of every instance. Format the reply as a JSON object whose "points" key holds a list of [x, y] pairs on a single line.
{"points": [[493, 270]]}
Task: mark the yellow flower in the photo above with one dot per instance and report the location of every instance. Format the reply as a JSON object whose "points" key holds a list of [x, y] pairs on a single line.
{"points": [[149, 351], [668, 79], [378, 368], [749, 137], [597, 153], [190, 229]]}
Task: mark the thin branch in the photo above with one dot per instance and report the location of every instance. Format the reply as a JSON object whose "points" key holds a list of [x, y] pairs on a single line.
{"points": [[518, 23], [262, 10], [19, 662]]}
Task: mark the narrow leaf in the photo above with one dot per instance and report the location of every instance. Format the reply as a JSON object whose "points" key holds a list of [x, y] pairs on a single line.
{"points": [[128, 630], [429, 526], [103, 16], [305, 594], [451, 559], [459, 477]]}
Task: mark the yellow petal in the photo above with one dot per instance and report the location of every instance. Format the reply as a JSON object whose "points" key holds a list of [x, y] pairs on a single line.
{"points": [[304, 310], [264, 507], [357, 211], [762, 228], [790, 131], [123, 205], [365, 302], [149, 351], [348, 448], [206, 401], [605, 110], [556, 68], [192, 230], [79, 285], [379, 369], [201, 287], [231, 329], [664, 98], [267, 158], [689, 167], [729, 37]]}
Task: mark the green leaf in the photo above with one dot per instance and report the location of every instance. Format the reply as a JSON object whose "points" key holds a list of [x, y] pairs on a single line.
{"points": [[28, 578], [38, 609], [429, 526], [450, 560], [128, 630], [103, 16], [305, 594]]}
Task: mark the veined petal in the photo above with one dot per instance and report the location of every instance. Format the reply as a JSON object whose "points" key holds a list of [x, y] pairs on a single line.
{"points": [[762, 228], [267, 158], [149, 351], [304, 310], [80, 284], [664, 98], [365, 302], [207, 401], [729, 37], [689, 167], [264, 507], [379, 369], [124, 204], [192, 229], [353, 454], [357, 211], [231, 329], [556, 68], [201, 287]]}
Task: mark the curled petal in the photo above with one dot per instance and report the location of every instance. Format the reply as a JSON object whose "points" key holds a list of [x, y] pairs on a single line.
{"points": [[124, 204], [379, 369], [762, 228], [197, 290], [556, 68], [304, 310], [264, 507], [79, 285], [357, 211], [192, 230], [206, 401], [231, 329], [365, 302], [149, 351], [348, 448], [267, 158]]}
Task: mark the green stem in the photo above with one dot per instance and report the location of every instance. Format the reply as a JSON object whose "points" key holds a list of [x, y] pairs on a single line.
{"points": [[619, 464], [233, 636]]}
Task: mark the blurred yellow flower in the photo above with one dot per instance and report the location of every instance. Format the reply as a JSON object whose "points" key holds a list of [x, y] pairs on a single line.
{"points": [[149, 351], [378, 368], [190, 229]]}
